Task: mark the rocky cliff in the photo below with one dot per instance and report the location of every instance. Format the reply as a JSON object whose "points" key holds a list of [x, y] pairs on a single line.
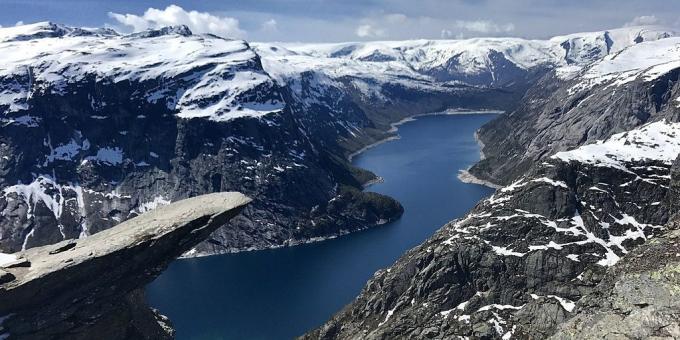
{"points": [[518, 262], [565, 110], [638, 298], [92, 288]]}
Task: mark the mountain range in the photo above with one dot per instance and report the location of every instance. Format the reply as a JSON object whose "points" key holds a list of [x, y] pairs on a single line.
{"points": [[99, 127]]}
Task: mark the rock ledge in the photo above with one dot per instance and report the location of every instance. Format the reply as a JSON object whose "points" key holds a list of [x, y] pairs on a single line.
{"points": [[77, 289]]}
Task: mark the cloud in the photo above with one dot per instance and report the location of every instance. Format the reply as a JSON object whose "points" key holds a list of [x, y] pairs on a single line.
{"points": [[644, 20], [198, 22], [369, 31], [484, 26], [270, 26], [19, 23]]}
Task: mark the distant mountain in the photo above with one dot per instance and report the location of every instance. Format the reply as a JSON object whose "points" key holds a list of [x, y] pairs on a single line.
{"points": [[493, 62]]}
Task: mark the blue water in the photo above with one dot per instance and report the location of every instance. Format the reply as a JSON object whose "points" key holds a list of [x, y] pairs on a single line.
{"points": [[279, 294]]}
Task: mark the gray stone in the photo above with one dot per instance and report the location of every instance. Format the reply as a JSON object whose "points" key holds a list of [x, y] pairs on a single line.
{"points": [[92, 288]]}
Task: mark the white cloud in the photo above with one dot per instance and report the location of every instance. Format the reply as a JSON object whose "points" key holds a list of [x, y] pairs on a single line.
{"points": [[644, 20], [369, 31], [484, 26], [19, 23], [198, 22], [270, 26]]}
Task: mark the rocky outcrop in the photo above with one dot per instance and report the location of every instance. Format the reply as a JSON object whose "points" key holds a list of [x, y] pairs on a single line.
{"points": [[637, 299], [92, 287], [517, 263]]}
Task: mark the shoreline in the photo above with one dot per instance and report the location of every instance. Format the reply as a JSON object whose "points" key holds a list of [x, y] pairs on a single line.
{"points": [[394, 127], [376, 180], [463, 175], [192, 254], [466, 177]]}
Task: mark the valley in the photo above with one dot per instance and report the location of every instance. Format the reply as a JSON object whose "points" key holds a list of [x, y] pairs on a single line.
{"points": [[252, 293], [100, 127]]}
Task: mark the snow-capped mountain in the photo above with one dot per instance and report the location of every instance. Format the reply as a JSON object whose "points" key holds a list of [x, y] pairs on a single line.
{"points": [[617, 93], [120, 124], [197, 76], [98, 127], [480, 61], [649, 63]]}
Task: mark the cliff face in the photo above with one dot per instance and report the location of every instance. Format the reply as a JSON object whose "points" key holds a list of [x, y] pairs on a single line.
{"points": [[92, 287], [518, 262], [638, 297], [563, 111]]}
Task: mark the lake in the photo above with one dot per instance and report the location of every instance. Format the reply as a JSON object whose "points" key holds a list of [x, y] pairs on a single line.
{"points": [[282, 293]]}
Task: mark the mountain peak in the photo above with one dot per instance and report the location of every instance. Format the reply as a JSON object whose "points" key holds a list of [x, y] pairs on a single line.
{"points": [[48, 29], [182, 30]]}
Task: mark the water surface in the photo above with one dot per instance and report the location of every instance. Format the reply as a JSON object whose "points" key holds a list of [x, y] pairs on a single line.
{"points": [[281, 293]]}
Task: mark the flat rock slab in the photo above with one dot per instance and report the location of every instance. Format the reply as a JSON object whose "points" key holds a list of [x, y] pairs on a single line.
{"points": [[47, 286]]}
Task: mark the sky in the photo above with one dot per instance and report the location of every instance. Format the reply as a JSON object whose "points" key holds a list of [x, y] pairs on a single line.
{"points": [[350, 20]]}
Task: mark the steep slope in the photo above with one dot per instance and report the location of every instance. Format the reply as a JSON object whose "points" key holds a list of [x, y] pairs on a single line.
{"points": [[624, 90], [638, 297], [91, 288], [99, 127], [515, 265]]}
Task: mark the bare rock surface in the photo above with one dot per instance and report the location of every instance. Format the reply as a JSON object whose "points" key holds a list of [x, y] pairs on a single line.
{"points": [[638, 299], [77, 289]]}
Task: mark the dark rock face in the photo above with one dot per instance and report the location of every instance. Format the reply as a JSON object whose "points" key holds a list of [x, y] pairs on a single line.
{"points": [[91, 288], [556, 116], [637, 298], [518, 262]]}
